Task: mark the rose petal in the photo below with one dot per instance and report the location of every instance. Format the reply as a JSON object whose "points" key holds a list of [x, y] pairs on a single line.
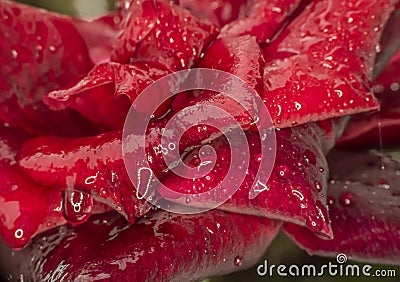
{"points": [[364, 206], [26, 208], [390, 43], [295, 190], [92, 164], [99, 35], [40, 51], [167, 34], [262, 19], [240, 56], [380, 128], [108, 247], [100, 95], [321, 64], [219, 12]]}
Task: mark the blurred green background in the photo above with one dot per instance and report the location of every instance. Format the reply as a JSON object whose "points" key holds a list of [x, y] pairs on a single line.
{"points": [[283, 250]]}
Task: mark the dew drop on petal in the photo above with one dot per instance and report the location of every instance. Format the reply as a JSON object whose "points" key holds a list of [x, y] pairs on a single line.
{"points": [[283, 171], [347, 199], [318, 185], [104, 192], [258, 158], [238, 261], [331, 201], [77, 206]]}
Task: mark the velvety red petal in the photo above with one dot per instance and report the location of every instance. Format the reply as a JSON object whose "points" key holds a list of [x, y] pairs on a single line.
{"points": [[26, 208], [163, 33], [93, 165], [321, 64], [177, 246], [39, 51], [102, 95], [240, 56], [99, 35], [219, 12], [296, 189], [364, 205], [262, 19]]}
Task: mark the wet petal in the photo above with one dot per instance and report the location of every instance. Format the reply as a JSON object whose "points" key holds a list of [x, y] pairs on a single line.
{"points": [[26, 208], [107, 246], [364, 207], [105, 95], [262, 19], [167, 34], [295, 191], [219, 12], [92, 164], [321, 65], [40, 51]]}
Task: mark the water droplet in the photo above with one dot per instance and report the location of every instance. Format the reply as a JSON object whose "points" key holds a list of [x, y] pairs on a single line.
{"points": [[310, 157], [209, 177], [346, 199], [283, 170], [331, 201], [104, 192], [258, 158], [77, 206], [394, 86], [238, 261], [19, 233], [14, 54], [383, 183], [378, 48], [318, 185]]}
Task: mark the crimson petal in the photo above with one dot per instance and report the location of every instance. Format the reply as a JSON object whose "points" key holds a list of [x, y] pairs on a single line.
{"points": [[321, 64], [296, 190], [100, 95], [219, 12], [26, 208], [262, 19], [40, 51], [177, 48], [107, 246], [364, 206], [99, 35], [93, 165]]}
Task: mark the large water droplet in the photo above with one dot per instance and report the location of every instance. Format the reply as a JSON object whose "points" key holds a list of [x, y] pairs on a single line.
{"points": [[77, 206]]}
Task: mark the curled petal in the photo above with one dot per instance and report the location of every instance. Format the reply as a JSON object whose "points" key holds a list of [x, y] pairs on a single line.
{"points": [[262, 19], [40, 51], [320, 66], [363, 208], [116, 249]]}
